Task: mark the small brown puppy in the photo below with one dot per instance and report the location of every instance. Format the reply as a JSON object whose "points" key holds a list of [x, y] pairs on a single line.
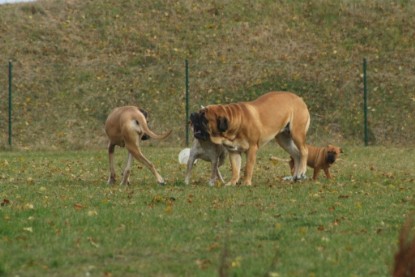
{"points": [[320, 158]]}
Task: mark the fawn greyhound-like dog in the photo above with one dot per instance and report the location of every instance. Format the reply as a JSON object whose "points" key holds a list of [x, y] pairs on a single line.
{"points": [[127, 126]]}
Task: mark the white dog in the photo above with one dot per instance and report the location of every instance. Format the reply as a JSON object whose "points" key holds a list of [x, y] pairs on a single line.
{"points": [[207, 151], [210, 152]]}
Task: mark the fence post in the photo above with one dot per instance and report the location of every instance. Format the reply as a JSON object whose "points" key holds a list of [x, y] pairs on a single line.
{"points": [[365, 102], [187, 101], [10, 102]]}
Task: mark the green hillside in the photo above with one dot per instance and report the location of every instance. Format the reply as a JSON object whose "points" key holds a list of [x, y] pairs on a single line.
{"points": [[73, 61]]}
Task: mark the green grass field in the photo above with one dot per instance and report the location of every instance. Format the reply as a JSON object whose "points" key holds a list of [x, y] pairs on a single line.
{"points": [[74, 61], [59, 218]]}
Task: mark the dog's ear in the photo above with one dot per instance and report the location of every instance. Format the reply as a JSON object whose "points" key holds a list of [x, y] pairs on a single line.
{"points": [[144, 113], [222, 124]]}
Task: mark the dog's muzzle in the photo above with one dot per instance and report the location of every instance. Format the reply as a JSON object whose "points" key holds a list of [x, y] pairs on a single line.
{"points": [[331, 157], [201, 135]]}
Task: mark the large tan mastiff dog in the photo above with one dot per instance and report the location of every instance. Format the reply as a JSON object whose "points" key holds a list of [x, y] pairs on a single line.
{"points": [[246, 126], [127, 126]]}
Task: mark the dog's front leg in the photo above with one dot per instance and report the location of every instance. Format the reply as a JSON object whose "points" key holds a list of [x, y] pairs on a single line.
{"points": [[127, 170], [221, 160], [219, 175], [250, 164], [190, 164], [326, 170], [235, 158], [214, 172], [315, 173], [111, 178]]}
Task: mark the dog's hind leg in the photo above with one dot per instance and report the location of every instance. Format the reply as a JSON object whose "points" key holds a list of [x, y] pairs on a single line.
{"points": [[301, 125], [133, 149], [111, 148], [301, 165], [285, 141], [131, 139], [127, 170]]}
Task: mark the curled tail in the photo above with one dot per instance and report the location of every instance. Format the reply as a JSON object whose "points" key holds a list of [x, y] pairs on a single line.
{"points": [[142, 122]]}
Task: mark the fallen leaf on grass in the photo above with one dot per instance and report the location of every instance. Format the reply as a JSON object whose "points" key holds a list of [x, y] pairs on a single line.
{"points": [[28, 229], [169, 208], [203, 263], [236, 262], [93, 242], [213, 246], [92, 213], [5, 202], [120, 228], [78, 206], [388, 175], [29, 206]]}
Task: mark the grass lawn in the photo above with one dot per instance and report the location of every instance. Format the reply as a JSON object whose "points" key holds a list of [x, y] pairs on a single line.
{"points": [[59, 218]]}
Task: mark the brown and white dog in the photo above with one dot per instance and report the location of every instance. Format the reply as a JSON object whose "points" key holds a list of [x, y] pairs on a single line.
{"points": [[246, 126], [320, 158], [206, 150], [127, 126]]}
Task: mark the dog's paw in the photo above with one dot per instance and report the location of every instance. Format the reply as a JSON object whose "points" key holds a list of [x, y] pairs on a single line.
{"points": [[288, 178], [302, 177], [111, 181]]}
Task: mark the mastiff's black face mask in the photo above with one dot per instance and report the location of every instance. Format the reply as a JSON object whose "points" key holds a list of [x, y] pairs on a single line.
{"points": [[200, 125]]}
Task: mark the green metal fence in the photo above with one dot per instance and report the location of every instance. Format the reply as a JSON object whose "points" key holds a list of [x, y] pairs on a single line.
{"points": [[71, 104]]}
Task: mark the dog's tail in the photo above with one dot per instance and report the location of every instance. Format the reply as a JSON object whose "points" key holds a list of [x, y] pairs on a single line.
{"points": [[143, 124]]}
